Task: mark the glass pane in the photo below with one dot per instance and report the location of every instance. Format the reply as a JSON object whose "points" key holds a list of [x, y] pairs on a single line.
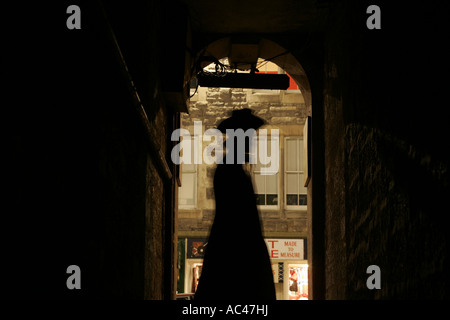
{"points": [[259, 184], [185, 168], [186, 194], [292, 200], [187, 146], [303, 189], [300, 155], [303, 199], [257, 165], [260, 199], [291, 155], [292, 183], [272, 199], [263, 152], [272, 183]]}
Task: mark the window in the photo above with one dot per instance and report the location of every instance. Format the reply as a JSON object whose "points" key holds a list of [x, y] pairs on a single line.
{"points": [[266, 189], [266, 185], [187, 195], [295, 191]]}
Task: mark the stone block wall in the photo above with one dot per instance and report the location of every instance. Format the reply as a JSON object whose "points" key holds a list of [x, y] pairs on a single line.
{"points": [[211, 105]]}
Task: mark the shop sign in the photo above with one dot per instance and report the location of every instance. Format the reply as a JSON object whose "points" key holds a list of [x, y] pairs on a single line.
{"points": [[285, 249]]}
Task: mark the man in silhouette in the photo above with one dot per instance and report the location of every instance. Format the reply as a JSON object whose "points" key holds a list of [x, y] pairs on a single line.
{"points": [[236, 264]]}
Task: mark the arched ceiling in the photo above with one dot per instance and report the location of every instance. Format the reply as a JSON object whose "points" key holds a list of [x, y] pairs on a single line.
{"points": [[256, 16]]}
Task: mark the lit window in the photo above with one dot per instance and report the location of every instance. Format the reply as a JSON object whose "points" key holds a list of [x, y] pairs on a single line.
{"points": [[295, 191], [187, 193], [266, 185]]}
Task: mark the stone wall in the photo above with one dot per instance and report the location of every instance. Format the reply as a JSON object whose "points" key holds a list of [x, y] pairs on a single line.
{"points": [[211, 105]]}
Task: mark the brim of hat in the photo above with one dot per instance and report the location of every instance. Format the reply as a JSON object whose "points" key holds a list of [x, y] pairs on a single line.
{"points": [[250, 122]]}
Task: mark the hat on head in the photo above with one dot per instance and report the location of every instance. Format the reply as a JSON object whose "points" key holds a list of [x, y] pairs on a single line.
{"points": [[241, 119]]}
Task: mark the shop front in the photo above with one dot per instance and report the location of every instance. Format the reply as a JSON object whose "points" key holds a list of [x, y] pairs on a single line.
{"points": [[289, 266], [190, 261]]}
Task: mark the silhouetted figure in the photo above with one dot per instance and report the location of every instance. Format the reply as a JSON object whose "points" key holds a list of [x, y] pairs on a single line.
{"points": [[236, 264]]}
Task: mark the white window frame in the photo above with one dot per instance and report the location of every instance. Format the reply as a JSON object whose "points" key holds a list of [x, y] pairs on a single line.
{"points": [[253, 171], [299, 171], [194, 171]]}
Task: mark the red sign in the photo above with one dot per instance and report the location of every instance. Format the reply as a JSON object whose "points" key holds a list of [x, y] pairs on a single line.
{"points": [[285, 249]]}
